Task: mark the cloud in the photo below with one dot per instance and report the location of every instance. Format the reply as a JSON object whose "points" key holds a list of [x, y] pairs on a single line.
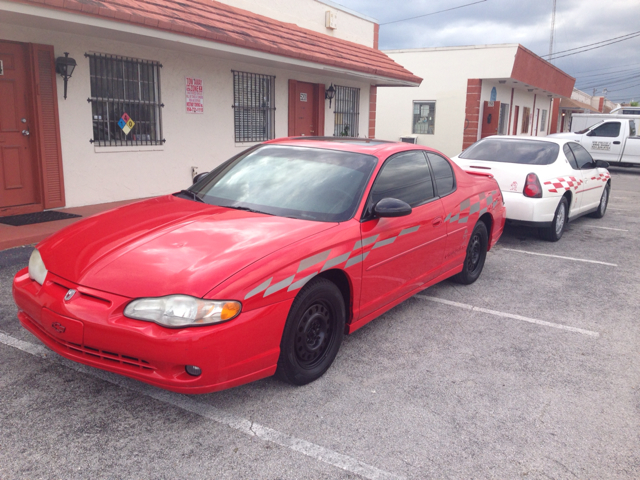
{"points": [[528, 22]]}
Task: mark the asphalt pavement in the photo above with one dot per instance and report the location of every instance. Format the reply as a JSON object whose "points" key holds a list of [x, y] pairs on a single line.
{"points": [[532, 372]]}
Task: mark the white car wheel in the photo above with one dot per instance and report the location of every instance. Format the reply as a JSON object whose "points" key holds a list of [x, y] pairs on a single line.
{"points": [[555, 231]]}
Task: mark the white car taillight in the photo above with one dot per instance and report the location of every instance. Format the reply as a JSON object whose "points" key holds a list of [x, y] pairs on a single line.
{"points": [[532, 187]]}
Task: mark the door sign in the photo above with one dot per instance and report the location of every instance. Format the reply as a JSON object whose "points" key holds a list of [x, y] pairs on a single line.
{"points": [[126, 124]]}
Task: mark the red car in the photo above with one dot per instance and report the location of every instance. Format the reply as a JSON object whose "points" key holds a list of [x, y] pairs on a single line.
{"points": [[262, 265]]}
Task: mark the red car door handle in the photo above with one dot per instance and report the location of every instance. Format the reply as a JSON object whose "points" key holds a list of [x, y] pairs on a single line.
{"points": [[436, 221]]}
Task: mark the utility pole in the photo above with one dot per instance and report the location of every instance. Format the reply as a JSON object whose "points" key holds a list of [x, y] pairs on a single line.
{"points": [[553, 27]]}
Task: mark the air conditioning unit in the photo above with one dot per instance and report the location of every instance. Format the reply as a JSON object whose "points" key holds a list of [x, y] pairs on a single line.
{"points": [[409, 139]]}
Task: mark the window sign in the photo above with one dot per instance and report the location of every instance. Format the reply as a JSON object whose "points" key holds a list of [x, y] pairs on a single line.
{"points": [[194, 95]]}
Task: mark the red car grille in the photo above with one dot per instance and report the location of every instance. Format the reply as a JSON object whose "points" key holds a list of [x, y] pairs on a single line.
{"points": [[107, 358]]}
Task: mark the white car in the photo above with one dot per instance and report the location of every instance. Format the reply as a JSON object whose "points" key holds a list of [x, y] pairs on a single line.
{"points": [[545, 182]]}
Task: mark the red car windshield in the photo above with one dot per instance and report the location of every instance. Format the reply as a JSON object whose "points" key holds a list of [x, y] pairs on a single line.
{"points": [[299, 182]]}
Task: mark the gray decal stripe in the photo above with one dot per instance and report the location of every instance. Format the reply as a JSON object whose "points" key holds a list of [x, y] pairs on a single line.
{"points": [[279, 286], [481, 195], [258, 289], [447, 219], [455, 218], [463, 220], [474, 208], [383, 243], [465, 204], [365, 242], [406, 231], [300, 283], [355, 260], [311, 261], [332, 262], [482, 211]]}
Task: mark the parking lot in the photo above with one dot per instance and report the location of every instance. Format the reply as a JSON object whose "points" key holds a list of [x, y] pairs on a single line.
{"points": [[531, 372]]}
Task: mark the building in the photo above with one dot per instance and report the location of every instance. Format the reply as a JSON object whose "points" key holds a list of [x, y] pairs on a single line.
{"points": [[580, 102], [469, 93], [162, 89]]}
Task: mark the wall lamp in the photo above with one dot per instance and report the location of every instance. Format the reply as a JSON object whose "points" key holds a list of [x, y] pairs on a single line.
{"points": [[65, 66], [329, 93]]}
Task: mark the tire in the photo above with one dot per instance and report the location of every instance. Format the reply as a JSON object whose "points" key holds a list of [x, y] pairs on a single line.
{"points": [[313, 333], [604, 203], [555, 231], [476, 255]]}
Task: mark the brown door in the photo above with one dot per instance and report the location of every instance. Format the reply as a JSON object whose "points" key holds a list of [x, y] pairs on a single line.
{"points": [[306, 118], [515, 120], [17, 172], [490, 119]]}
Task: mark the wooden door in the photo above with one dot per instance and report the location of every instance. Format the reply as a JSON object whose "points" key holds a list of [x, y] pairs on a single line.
{"points": [[490, 119], [515, 120], [17, 152], [306, 118]]}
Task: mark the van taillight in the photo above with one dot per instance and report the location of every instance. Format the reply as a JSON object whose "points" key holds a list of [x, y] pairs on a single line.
{"points": [[532, 187]]}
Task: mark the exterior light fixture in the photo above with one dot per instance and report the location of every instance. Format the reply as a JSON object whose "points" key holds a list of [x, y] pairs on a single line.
{"points": [[502, 82], [330, 93], [65, 66]]}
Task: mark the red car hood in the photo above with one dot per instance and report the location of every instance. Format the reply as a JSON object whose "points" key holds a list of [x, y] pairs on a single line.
{"points": [[167, 245]]}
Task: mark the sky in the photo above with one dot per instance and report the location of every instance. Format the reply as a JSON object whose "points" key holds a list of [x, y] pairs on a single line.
{"points": [[615, 67]]}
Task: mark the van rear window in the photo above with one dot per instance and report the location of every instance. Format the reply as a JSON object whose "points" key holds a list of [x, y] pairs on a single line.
{"points": [[513, 151]]}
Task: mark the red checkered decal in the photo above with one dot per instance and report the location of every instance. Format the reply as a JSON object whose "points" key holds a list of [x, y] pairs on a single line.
{"points": [[563, 183], [602, 177]]}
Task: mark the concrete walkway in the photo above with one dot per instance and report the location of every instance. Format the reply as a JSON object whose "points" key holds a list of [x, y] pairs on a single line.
{"points": [[11, 236]]}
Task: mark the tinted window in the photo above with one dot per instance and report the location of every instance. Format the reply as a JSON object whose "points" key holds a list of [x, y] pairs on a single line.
{"points": [[609, 129], [306, 183], [632, 128], [569, 154], [406, 177], [582, 156], [530, 152], [442, 174]]}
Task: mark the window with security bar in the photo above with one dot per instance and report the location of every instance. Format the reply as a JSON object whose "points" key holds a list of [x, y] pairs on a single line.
{"points": [[346, 112], [253, 106], [424, 118], [125, 101]]}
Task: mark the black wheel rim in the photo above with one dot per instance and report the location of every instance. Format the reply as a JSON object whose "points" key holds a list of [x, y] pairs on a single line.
{"points": [[314, 335], [474, 254]]}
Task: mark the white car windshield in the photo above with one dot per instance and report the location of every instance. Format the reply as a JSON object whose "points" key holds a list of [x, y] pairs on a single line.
{"points": [[307, 183], [530, 152]]}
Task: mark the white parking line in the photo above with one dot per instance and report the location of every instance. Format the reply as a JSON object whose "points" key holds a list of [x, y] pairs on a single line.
{"points": [[509, 315], [607, 228], [560, 256], [187, 403]]}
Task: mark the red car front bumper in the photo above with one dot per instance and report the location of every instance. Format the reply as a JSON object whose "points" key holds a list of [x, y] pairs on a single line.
{"points": [[91, 329]]}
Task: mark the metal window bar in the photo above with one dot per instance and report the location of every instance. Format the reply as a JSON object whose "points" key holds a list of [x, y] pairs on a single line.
{"points": [[253, 106], [125, 85], [346, 112]]}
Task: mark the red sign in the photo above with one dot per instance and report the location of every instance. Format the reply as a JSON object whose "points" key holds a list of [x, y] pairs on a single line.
{"points": [[194, 95]]}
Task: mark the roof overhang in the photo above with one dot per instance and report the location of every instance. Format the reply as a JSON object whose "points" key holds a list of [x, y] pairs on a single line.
{"points": [[534, 72], [30, 13]]}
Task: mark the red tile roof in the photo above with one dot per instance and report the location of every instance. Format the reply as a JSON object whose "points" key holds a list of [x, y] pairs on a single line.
{"points": [[217, 22]]}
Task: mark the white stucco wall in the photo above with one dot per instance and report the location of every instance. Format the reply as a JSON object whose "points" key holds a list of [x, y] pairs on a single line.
{"points": [[98, 174], [445, 72], [310, 14]]}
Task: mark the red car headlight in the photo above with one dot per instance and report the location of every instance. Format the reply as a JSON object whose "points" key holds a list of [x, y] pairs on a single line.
{"points": [[178, 311]]}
